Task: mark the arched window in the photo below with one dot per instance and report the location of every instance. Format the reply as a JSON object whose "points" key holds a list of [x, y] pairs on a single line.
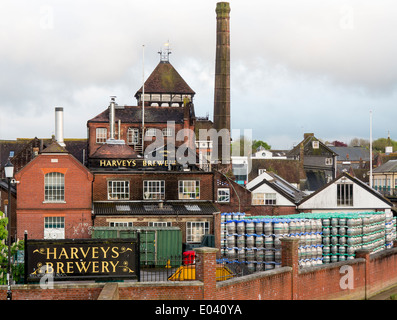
{"points": [[54, 187]]}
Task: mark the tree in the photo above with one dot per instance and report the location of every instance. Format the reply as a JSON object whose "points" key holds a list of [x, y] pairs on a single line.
{"points": [[381, 144], [241, 147], [259, 143], [16, 269], [378, 145], [359, 142], [247, 147]]}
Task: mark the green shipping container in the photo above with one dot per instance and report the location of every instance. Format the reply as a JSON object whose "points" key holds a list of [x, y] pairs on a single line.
{"points": [[160, 246]]}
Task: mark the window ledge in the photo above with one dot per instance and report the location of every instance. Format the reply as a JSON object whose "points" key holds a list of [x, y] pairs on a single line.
{"points": [[54, 201]]}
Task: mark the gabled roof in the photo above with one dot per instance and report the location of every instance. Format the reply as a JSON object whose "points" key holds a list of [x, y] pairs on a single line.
{"points": [[165, 79], [289, 170], [278, 184], [354, 180], [54, 147], [133, 114], [308, 147]]}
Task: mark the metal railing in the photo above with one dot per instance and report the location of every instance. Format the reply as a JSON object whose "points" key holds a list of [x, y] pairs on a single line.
{"points": [[171, 269], [160, 269], [386, 191]]}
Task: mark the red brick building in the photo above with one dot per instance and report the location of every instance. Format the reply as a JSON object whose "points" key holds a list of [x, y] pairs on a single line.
{"points": [[164, 108], [140, 171], [54, 196], [131, 191]]}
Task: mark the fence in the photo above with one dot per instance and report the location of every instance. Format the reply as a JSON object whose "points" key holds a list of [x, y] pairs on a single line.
{"points": [[170, 270], [159, 270], [387, 191]]}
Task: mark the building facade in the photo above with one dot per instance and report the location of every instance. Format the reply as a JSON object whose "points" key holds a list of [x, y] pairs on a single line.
{"points": [[54, 194]]}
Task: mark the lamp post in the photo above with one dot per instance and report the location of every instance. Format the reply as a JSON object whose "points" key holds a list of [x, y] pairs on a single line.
{"points": [[9, 173]]}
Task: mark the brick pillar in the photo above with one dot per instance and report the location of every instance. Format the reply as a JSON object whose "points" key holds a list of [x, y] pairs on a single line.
{"points": [[289, 258], [206, 270], [363, 253], [217, 232]]}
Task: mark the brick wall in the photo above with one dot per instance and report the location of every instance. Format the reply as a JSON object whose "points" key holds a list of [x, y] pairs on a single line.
{"points": [[93, 146], [31, 207], [77, 223], [271, 210], [357, 279], [136, 183]]}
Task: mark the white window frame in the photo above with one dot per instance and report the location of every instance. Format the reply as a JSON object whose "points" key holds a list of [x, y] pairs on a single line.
{"points": [[160, 224], [114, 224], [101, 135], [270, 199], [153, 189], [223, 195], [260, 171], [262, 199], [189, 189], [258, 199], [328, 161], [151, 132], [118, 190], [133, 136], [54, 227], [195, 231], [167, 132], [54, 187]]}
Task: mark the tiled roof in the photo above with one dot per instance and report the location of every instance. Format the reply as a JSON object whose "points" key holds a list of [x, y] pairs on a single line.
{"points": [[165, 79], [351, 153], [308, 148], [153, 208], [54, 147], [133, 114], [289, 170], [389, 166], [111, 150]]}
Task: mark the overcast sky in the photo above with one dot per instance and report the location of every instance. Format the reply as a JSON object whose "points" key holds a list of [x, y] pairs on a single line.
{"points": [[296, 66]]}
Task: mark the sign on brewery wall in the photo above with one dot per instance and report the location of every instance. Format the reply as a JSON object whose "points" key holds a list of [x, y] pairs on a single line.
{"points": [[82, 259]]}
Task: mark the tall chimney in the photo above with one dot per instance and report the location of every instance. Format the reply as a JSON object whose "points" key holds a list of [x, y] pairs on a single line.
{"points": [[59, 126], [222, 76]]}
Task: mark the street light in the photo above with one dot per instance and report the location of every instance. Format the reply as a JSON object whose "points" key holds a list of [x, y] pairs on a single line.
{"points": [[9, 173]]}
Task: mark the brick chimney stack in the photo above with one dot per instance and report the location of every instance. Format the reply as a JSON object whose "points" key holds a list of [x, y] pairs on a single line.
{"points": [[222, 76]]}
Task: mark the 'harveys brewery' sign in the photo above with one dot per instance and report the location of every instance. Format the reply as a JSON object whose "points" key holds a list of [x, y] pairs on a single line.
{"points": [[133, 163], [82, 259]]}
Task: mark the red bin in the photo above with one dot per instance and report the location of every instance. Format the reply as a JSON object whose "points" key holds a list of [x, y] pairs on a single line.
{"points": [[188, 257]]}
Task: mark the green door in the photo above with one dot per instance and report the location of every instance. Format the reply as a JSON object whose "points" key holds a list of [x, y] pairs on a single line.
{"points": [[148, 245]]}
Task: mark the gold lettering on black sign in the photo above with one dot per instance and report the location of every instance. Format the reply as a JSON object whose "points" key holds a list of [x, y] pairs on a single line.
{"points": [[81, 260]]}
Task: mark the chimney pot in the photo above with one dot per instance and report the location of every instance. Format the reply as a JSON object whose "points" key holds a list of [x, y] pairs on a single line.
{"points": [[59, 126]]}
